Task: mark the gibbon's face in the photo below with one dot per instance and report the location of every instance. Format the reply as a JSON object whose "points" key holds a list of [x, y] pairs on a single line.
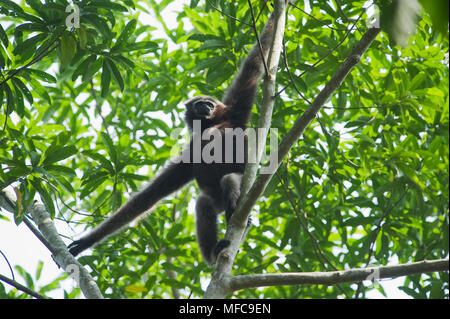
{"points": [[203, 107]]}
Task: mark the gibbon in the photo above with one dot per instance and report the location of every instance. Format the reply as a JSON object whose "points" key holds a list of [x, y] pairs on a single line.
{"points": [[219, 183]]}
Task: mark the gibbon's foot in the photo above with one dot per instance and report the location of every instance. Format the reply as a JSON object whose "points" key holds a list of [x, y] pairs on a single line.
{"points": [[221, 245], [76, 247]]}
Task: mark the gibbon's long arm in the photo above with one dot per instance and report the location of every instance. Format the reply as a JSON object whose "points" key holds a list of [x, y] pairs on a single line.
{"points": [[241, 93], [171, 178]]}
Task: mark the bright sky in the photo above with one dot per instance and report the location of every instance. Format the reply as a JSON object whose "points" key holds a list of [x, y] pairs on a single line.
{"points": [[22, 248]]}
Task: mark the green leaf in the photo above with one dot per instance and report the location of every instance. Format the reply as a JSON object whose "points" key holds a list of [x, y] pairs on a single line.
{"points": [[2, 58], [57, 153], [3, 37], [45, 197], [39, 269], [82, 37], [106, 79], [125, 35], [204, 37], [213, 45], [92, 186], [379, 244], [417, 80], [110, 146], [42, 75], [124, 62], [65, 184], [84, 68], [12, 6], [143, 45], [47, 129], [100, 158], [64, 170], [30, 27], [108, 5], [215, 61], [28, 47], [100, 24], [9, 99], [68, 49], [37, 6], [438, 10], [410, 173], [115, 73], [20, 106], [23, 88]]}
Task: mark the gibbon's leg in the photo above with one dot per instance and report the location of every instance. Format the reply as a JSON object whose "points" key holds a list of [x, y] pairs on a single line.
{"points": [[231, 190], [206, 224], [168, 180]]}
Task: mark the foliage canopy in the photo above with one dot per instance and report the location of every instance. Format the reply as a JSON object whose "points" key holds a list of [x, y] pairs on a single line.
{"points": [[87, 114]]}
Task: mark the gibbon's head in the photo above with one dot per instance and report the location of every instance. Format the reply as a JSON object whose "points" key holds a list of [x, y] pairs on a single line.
{"points": [[205, 108]]}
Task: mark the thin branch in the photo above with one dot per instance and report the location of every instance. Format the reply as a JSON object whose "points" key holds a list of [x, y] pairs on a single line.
{"points": [[20, 287], [318, 20], [257, 38], [378, 226], [339, 5], [335, 277], [227, 15], [329, 52], [317, 250], [9, 265], [329, 135], [44, 53], [291, 77], [172, 275]]}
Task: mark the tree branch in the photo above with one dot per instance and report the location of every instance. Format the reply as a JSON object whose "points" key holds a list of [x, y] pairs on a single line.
{"points": [[54, 243], [294, 134], [236, 228], [61, 254], [21, 287], [335, 277], [218, 287]]}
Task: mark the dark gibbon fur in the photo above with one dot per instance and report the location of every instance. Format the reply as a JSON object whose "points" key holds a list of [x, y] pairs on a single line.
{"points": [[219, 183]]}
